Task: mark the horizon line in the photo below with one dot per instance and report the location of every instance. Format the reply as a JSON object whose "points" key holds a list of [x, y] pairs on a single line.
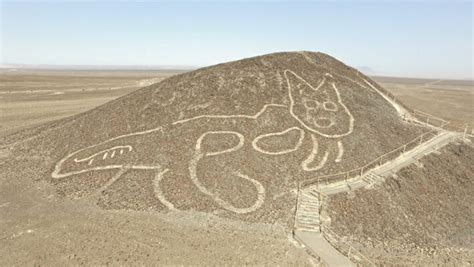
{"points": [[141, 67]]}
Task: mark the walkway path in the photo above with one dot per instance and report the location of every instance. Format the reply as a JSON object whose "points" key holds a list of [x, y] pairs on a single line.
{"points": [[379, 173], [307, 219], [320, 246], [308, 231]]}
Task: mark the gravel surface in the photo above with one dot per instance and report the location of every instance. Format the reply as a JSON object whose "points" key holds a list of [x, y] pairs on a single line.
{"points": [[423, 215]]}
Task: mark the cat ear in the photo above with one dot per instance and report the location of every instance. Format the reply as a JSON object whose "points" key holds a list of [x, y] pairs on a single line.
{"points": [[306, 96], [298, 86]]}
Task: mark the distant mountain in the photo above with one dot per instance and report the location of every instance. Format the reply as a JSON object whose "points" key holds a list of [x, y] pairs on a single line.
{"points": [[367, 70]]}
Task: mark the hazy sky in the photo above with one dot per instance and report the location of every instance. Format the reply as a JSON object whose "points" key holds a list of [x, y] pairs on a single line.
{"points": [[417, 39]]}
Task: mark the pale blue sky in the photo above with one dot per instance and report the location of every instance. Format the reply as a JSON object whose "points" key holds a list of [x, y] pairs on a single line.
{"points": [[416, 39]]}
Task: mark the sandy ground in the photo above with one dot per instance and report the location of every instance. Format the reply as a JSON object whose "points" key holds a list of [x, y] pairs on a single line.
{"points": [[448, 99], [31, 97], [37, 226]]}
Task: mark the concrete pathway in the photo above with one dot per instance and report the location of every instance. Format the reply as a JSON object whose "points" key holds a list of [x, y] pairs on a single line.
{"points": [[411, 156], [321, 247], [379, 173]]}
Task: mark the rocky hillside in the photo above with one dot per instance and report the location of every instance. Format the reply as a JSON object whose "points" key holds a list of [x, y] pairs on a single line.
{"points": [[422, 216], [232, 139]]}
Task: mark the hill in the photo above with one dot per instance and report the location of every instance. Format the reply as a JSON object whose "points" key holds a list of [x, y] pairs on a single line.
{"points": [[233, 139]]}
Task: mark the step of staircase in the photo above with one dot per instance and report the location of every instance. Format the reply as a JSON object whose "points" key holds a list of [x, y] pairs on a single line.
{"points": [[307, 213], [371, 178]]}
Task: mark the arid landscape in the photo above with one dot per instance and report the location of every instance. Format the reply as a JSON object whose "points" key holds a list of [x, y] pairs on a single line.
{"points": [[289, 159], [236, 133], [32, 96], [452, 100]]}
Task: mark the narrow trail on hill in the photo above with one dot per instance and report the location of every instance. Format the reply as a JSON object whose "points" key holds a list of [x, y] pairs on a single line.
{"points": [[392, 166], [402, 111], [308, 227], [399, 108]]}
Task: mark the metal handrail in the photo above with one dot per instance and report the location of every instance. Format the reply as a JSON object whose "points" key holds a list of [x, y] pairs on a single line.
{"points": [[359, 171]]}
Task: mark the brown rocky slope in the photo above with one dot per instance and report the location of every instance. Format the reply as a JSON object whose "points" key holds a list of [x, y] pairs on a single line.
{"points": [[422, 216], [232, 139]]}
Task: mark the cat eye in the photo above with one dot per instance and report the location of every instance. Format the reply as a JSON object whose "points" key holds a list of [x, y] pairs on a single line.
{"points": [[330, 106], [311, 104]]}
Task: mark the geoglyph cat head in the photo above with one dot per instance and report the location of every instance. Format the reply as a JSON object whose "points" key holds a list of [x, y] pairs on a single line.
{"points": [[319, 109]]}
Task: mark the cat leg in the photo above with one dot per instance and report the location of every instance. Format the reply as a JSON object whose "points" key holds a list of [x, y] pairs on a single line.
{"points": [[313, 162], [340, 151]]}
